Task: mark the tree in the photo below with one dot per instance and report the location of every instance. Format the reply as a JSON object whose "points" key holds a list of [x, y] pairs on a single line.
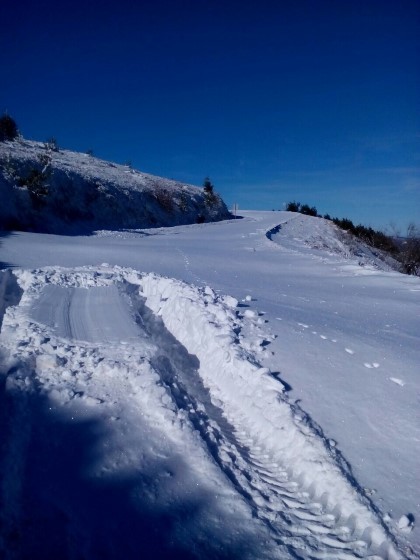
{"points": [[8, 128], [52, 145], [308, 210], [293, 206], [208, 186], [210, 197]]}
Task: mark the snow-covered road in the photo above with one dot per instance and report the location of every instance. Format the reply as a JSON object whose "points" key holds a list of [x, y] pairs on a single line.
{"points": [[171, 420]]}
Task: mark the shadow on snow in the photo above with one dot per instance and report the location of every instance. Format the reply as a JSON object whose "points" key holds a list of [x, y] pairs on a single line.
{"points": [[56, 504]]}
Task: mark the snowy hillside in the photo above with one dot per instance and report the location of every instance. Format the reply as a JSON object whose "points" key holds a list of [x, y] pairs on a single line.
{"points": [[245, 389], [49, 190], [309, 232]]}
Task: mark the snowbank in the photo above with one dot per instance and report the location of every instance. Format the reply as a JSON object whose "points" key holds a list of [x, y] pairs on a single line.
{"points": [[252, 401]]}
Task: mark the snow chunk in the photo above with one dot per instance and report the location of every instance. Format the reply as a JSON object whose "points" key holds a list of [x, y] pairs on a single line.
{"points": [[397, 381], [230, 301], [406, 523], [46, 362], [250, 313]]}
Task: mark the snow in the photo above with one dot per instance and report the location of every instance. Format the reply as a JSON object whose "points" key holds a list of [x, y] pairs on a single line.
{"points": [[239, 389], [85, 193]]}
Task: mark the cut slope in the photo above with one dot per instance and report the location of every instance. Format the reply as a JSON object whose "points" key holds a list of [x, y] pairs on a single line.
{"points": [[63, 191]]}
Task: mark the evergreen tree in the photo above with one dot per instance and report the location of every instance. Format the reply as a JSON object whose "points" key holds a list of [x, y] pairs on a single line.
{"points": [[208, 186], [8, 128]]}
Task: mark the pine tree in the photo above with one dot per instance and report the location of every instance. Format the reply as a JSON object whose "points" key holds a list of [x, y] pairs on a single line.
{"points": [[8, 128]]}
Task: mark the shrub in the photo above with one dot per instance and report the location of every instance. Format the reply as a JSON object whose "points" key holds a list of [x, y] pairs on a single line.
{"points": [[52, 145], [293, 206], [36, 181], [164, 198], [207, 184], [309, 210], [183, 201], [8, 128], [10, 168], [210, 197], [409, 254], [345, 224], [302, 208]]}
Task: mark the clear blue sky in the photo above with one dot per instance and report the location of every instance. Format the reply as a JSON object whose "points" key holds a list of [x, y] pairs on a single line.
{"points": [[315, 101]]}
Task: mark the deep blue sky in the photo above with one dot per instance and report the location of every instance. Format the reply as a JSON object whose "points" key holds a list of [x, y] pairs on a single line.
{"points": [[315, 101]]}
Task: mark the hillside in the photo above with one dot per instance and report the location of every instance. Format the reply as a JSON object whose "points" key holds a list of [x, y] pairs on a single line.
{"points": [[246, 389], [59, 191], [315, 235]]}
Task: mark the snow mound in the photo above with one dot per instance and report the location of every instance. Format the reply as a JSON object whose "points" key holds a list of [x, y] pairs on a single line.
{"points": [[327, 239], [67, 192]]}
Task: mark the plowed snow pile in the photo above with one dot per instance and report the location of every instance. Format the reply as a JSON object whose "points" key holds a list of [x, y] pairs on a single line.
{"points": [[141, 417]]}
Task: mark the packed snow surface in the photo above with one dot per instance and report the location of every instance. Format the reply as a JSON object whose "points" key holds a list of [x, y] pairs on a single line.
{"points": [[242, 389]]}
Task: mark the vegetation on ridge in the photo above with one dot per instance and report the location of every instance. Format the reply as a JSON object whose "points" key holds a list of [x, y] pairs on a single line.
{"points": [[406, 251], [49, 189]]}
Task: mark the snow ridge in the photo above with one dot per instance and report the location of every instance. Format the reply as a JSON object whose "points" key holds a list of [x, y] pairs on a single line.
{"points": [[306, 233], [283, 449]]}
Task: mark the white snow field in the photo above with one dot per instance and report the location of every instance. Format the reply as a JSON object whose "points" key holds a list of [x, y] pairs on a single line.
{"points": [[240, 389]]}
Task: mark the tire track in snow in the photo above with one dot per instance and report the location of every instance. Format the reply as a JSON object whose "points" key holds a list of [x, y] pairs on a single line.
{"points": [[353, 529], [301, 524], [92, 378], [306, 522]]}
